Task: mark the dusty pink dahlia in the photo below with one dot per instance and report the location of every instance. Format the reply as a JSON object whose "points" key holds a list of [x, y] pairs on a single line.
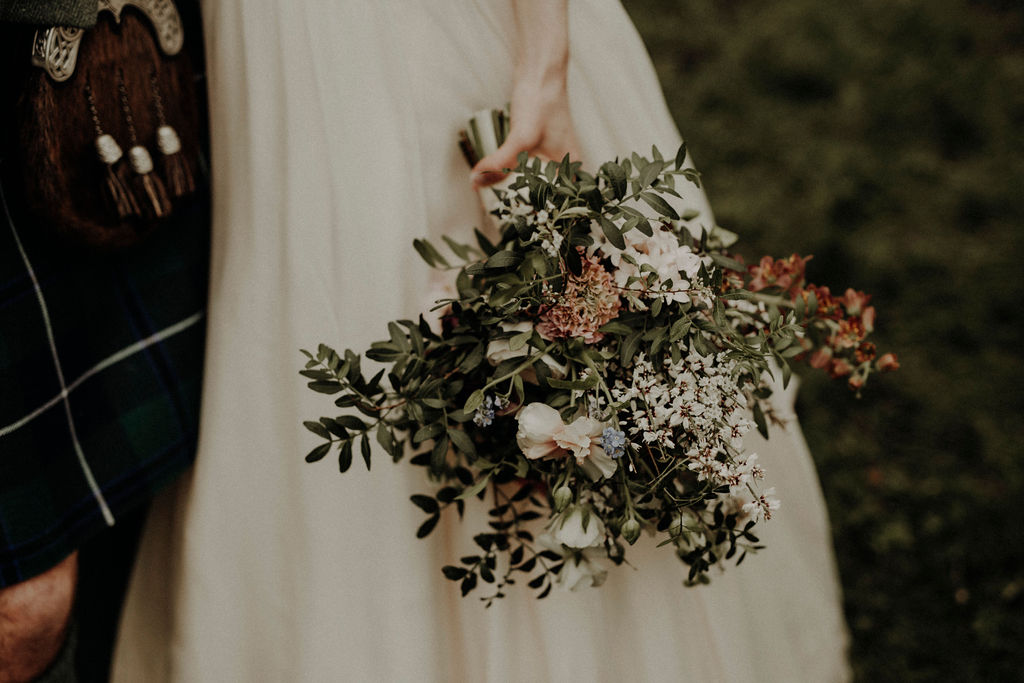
{"points": [[589, 301]]}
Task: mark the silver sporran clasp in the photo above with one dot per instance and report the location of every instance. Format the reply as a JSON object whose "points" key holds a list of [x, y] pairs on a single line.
{"points": [[55, 49]]}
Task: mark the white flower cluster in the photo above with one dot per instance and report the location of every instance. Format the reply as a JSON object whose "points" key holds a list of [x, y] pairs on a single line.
{"points": [[693, 405], [550, 240]]}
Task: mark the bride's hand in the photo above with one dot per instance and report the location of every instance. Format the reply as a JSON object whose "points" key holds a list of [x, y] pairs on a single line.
{"points": [[541, 121], [541, 126]]}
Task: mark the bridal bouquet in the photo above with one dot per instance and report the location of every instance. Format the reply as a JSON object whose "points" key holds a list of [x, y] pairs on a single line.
{"points": [[592, 377]]}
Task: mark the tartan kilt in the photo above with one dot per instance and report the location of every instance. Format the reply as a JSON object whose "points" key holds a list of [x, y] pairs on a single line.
{"points": [[100, 369]]}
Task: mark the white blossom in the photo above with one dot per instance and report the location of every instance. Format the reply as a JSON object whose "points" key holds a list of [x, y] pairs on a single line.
{"points": [[577, 527], [661, 251], [580, 569], [543, 435], [580, 572], [763, 506]]}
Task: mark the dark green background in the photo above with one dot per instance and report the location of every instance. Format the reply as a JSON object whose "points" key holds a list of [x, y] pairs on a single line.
{"points": [[886, 137]]}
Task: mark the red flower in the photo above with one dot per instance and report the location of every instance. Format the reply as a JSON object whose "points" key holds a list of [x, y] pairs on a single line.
{"points": [[840, 368], [820, 358], [865, 352], [867, 319], [849, 334], [888, 362], [786, 274], [855, 301], [828, 305]]}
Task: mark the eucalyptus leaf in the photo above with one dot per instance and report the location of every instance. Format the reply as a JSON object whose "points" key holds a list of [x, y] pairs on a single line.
{"points": [[615, 327], [319, 452], [503, 259], [611, 232], [476, 488], [317, 429], [680, 160], [519, 341], [386, 439], [616, 176], [364, 448], [649, 173], [759, 420], [629, 347], [425, 503], [589, 382], [345, 456], [329, 387], [657, 203], [428, 431], [462, 441], [429, 253], [427, 526], [459, 249]]}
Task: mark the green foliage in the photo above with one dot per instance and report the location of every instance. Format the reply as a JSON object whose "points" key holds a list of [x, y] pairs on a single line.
{"points": [[885, 138]]}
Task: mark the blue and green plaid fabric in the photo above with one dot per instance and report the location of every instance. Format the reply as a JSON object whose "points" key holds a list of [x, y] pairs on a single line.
{"points": [[100, 369]]}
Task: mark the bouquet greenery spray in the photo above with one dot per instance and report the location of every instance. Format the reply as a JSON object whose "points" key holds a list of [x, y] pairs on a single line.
{"points": [[591, 377]]}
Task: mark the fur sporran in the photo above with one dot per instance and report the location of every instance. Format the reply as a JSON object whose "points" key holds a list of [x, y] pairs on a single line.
{"points": [[101, 158]]}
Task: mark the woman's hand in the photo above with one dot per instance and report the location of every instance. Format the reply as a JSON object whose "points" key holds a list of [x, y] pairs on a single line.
{"points": [[541, 121]]}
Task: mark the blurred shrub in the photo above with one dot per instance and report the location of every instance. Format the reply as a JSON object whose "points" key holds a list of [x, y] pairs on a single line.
{"points": [[886, 137]]}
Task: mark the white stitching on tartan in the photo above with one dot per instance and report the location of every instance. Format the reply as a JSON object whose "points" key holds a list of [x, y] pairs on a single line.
{"points": [[126, 352], [96, 492]]}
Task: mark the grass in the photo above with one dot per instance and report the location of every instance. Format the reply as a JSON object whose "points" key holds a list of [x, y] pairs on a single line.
{"points": [[886, 137]]}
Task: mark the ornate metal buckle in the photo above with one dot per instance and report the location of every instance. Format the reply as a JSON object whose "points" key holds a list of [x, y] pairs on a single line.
{"points": [[55, 49]]}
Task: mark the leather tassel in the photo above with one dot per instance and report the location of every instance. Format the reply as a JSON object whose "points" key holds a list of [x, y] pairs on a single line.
{"points": [[178, 175], [119, 194], [147, 185], [156, 195], [176, 169], [116, 184]]}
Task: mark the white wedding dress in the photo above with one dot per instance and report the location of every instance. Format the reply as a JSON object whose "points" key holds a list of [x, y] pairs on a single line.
{"points": [[334, 126]]}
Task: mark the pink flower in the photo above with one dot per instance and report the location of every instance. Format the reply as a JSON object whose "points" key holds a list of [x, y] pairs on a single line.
{"points": [[865, 353], [867, 319], [543, 435], [840, 368], [786, 274], [820, 358], [850, 333], [854, 301], [888, 362], [589, 301]]}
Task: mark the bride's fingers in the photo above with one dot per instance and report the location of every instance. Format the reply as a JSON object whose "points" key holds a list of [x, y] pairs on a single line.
{"points": [[495, 165]]}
